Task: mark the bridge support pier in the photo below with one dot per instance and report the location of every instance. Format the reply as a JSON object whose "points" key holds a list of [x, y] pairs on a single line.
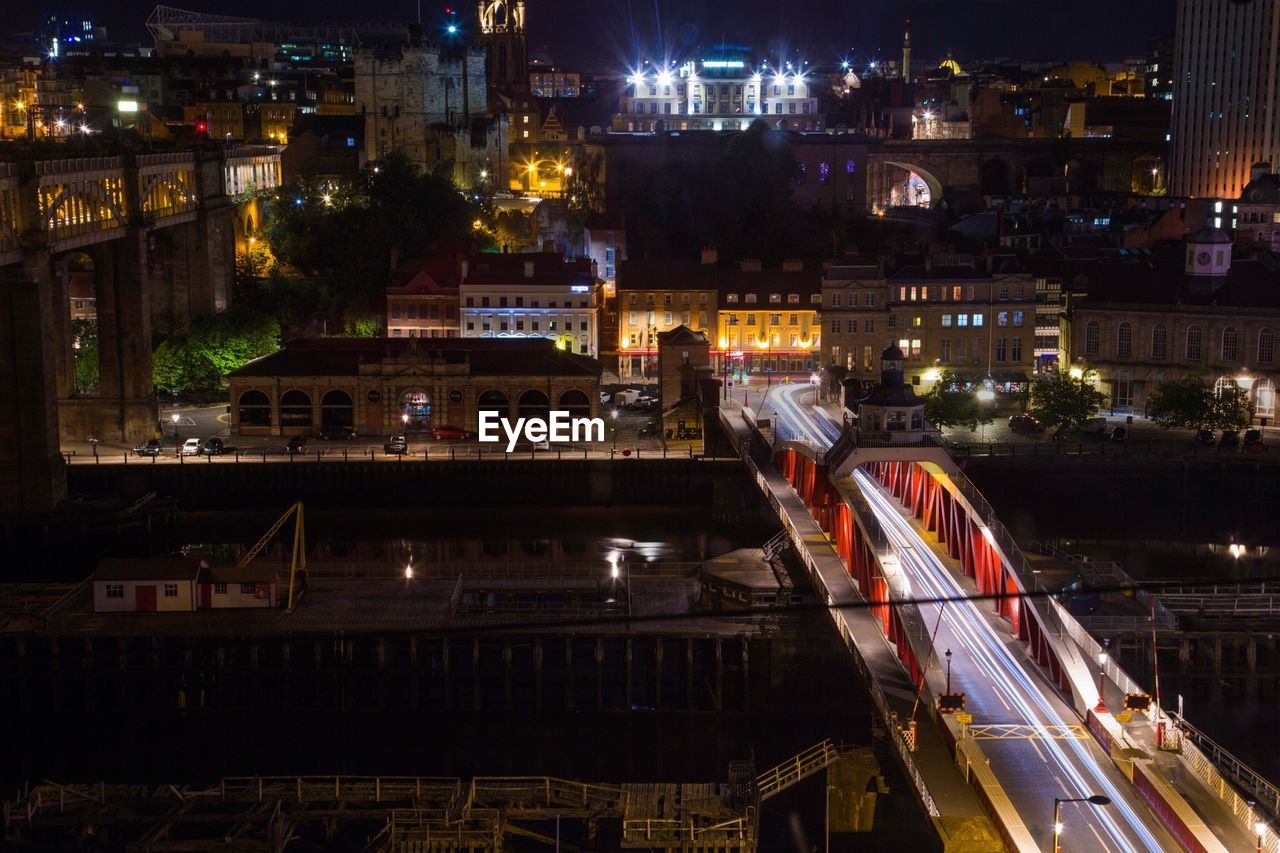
{"points": [[33, 474], [124, 409]]}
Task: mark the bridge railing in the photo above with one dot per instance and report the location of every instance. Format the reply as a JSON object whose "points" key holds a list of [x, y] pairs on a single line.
{"points": [[883, 708], [1200, 752]]}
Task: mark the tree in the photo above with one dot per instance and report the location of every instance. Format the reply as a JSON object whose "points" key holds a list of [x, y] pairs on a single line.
{"points": [[85, 351], [1061, 402], [200, 360], [1232, 408], [949, 404], [1186, 403]]}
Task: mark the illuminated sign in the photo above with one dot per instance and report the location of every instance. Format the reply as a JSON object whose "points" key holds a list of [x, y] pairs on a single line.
{"points": [[127, 106], [723, 63], [580, 288]]}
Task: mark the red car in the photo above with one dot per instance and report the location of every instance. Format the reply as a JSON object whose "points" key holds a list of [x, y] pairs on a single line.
{"points": [[450, 433]]}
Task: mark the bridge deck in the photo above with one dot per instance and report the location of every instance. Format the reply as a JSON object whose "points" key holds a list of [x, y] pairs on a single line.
{"points": [[946, 785]]}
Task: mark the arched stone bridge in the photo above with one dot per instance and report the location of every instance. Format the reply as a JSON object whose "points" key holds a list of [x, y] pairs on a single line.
{"points": [[1004, 166]]}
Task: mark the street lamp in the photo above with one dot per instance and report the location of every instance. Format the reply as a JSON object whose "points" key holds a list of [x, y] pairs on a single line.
{"points": [[174, 417], [948, 670], [1101, 707], [1260, 830], [614, 416], [1095, 800]]}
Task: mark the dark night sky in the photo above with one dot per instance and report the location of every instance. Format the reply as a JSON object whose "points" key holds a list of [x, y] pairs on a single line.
{"points": [[603, 32]]}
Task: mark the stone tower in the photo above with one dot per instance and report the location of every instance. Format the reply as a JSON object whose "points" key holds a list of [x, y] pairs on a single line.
{"points": [[501, 33]]}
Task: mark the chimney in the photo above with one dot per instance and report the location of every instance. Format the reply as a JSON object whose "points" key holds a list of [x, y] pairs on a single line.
{"points": [[750, 265], [793, 265], [1259, 170], [528, 269], [710, 255]]}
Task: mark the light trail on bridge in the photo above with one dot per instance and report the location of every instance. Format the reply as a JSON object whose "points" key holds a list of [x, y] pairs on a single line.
{"points": [[999, 682]]}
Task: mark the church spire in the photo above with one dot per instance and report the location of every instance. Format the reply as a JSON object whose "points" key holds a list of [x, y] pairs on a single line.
{"points": [[906, 53]]}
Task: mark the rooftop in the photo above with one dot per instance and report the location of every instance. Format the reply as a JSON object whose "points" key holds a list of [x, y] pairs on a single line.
{"points": [[485, 356]]}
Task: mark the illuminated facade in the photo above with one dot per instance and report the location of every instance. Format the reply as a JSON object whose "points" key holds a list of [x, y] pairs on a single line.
{"points": [[532, 295], [726, 90], [758, 320], [1225, 115], [502, 34], [954, 313]]}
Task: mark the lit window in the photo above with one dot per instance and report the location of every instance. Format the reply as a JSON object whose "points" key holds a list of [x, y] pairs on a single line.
{"points": [[115, 590]]}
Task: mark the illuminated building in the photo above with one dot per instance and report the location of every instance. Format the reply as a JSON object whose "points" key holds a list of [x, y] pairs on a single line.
{"points": [[501, 34], [758, 320], [422, 301], [1178, 312], [1226, 114], [724, 90], [532, 295], [952, 313]]}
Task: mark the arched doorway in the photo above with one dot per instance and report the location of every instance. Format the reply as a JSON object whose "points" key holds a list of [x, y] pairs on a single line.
{"points": [[576, 403], [534, 404], [295, 410], [415, 410], [255, 409], [336, 409], [493, 401]]}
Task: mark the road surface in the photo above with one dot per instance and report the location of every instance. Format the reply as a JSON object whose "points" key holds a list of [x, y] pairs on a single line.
{"points": [[1044, 755]]}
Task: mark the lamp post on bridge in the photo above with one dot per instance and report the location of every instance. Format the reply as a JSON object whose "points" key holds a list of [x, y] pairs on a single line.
{"points": [[1101, 707], [1094, 800], [948, 670]]}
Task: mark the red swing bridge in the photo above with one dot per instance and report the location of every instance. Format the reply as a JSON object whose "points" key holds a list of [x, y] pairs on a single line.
{"points": [[1015, 727]]}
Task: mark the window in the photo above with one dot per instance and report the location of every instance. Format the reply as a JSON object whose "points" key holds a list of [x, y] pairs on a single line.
{"points": [[945, 350], [955, 293], [115, 590], [247, 589], [1195, 338], [171, 590], [751, 319], [1266, 346], [835, 327], [775, 298], [219, 589], [793, 299], [1004, 293], [902, 294], [1002, 318], [775, 319], [1230, 344], [977, 319], [751, 298], [835, 300], [870, 300], [1159, 342], [1015, 349], [1124, 341], [1000, 349], [893, 321], [917, 322], [732, 299], [962, 319], [1017, 318], [868, 326], [1091, 338], [946, 321]]}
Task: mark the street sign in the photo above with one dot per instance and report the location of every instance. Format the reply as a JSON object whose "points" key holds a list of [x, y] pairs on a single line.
{"points": [[950, 703], [964, 718], [1136, 701], [1123, 717], [730, 383]]}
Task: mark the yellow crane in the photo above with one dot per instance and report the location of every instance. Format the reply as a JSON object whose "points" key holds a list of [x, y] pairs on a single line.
{"points": [[299, 558]]}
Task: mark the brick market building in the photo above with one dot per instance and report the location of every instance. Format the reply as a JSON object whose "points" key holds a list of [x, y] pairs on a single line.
{"points": [[382, 386]]}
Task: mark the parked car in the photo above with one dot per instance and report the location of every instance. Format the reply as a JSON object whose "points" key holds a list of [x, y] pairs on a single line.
{"points": [[334, 432], [450, 433], [1253, 440], [396, 445], [1230, 439], [1024, 423], [213, 447], [150, 447], [190, 447], [1205, 437], [626, 397], [296, 444], [1120, 434], [605, 397]]}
